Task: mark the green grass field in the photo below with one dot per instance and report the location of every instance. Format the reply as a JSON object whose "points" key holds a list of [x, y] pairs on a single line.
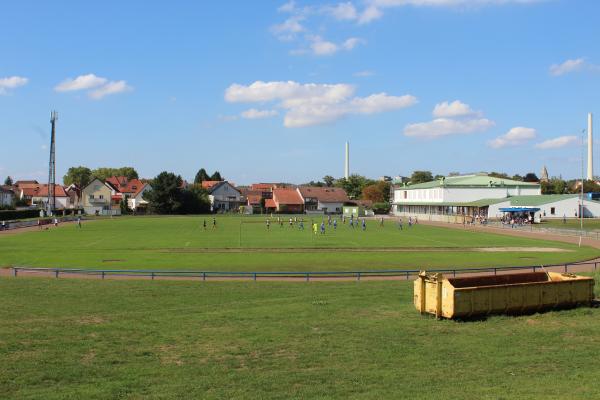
{"points": [[590, 224], [81, 339], [180, 243]]}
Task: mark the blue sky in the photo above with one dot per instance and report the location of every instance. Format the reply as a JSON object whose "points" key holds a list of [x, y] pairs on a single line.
{"points": [[270, 91]]}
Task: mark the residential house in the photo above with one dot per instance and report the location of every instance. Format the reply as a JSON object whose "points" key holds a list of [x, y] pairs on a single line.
{"points": [[7, 196], [97, 198], [285, 200], [74, 193], [131, 189], [223, 196], [36, 195], [329, 200]]}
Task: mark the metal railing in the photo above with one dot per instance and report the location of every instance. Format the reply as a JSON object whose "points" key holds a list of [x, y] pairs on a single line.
{"points": [[587, 266]]}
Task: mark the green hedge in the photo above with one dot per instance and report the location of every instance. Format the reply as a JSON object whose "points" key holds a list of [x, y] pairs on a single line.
{"points": [[6, 215]]}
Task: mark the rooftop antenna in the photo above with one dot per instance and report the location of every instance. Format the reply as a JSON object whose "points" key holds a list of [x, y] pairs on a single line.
{"points": [[52, 166]]}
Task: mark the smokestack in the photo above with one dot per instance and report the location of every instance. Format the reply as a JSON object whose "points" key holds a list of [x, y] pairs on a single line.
{"points": [[590, 166], [347, 165]]}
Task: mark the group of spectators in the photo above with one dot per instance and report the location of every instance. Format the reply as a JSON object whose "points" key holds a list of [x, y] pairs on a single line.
{"points": [[516, 219]]}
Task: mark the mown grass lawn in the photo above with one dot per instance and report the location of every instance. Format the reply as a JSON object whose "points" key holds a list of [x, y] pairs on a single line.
{"points": [[171, 340], [246, 245], [591, 224]]}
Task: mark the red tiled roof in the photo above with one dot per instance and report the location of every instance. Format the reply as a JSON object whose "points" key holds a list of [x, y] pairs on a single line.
{"points": [[263, 186], [42, 191], [124, 185], [19, 183], [324, 194], [209, 184], [254, 198], [287, 196], [270, 203]]}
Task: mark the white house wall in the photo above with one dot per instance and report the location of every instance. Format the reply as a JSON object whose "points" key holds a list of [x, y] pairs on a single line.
{"points": [[562, 208], [459, 195], [331, 207]]}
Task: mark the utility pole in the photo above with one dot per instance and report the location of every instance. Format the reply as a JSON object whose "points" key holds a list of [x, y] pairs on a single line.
{"points": [[52, 166]]}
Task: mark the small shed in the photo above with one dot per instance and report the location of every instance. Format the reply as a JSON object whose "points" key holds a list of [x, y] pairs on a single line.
{"points": [[354, 210]]}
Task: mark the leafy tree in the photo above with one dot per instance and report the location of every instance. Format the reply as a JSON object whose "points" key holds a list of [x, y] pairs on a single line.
{"points": [[106, 172], [313, 183], [80, 176], [421, 177], [381, 208], [263, 206], [329, 180], [216, 176], [377, 193], [517, 177], [8, 181], [201, 176], [530, 177], [123, 205], [166, 194], [438, 177], [500, 175], [554, 186], [194, 201], [354, 185]]}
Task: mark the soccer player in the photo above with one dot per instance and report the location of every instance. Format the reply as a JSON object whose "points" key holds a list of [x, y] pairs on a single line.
{"points": [[204, 224], [322, 227], [79, 222], [315, 229], [400, 223], [214, 223], [268, 224], [364, 225], [291, 222], [334, 224], [410, 222], [381, 222], [301, 225]]}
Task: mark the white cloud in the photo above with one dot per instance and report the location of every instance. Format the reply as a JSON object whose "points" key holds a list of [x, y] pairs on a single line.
{"points": [[321, 47], [454, 109], [11, 82], [363, 74], [108, 89], [101, 86], [514, 137], [288, 30], [556, 143], [253, 113], [82, 82], [454, 118], [369, 14], [314, 104], [445, 126], [374, 8], [567, 67], [342, 11], [288, 7]]}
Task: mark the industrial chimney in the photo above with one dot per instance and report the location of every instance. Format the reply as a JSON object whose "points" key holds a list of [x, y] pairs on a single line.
{"points": [[590, 166], [347, 164]]}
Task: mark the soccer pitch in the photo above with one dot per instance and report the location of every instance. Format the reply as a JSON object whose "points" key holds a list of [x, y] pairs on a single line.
{"points": [[90, 339], [246, 244]]}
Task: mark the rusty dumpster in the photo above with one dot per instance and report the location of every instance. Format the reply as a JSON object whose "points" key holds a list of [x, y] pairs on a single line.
{"points": [[518, 293]]}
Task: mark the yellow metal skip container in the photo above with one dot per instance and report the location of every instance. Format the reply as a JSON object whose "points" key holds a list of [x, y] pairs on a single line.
{"points": [[500, 294]]}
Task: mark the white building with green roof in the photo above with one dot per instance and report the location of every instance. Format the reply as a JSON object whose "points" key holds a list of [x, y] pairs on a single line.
{"points": [[460, 198]]}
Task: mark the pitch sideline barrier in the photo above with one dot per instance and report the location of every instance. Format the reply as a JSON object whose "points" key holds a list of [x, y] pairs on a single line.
{"points": [[296, 275]]}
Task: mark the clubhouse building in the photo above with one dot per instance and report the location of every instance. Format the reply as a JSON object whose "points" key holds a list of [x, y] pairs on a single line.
{"points": [[461, 198]]}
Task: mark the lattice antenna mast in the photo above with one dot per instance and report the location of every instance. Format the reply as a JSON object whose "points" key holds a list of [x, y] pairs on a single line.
{"points": [[52, 166]]}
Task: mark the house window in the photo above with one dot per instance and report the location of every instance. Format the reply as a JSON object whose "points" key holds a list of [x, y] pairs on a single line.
{"points": [[91, 197], [552, 210], [101, 196], [405, 194]]}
